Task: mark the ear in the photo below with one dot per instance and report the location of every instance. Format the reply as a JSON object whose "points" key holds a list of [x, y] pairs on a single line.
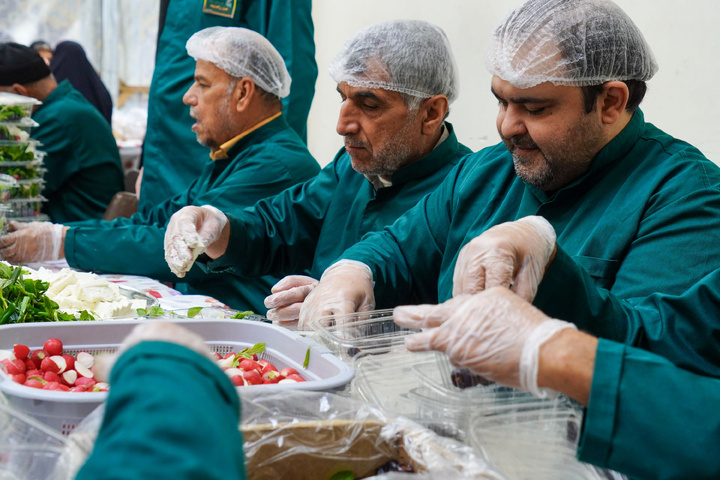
{"points": [[20, 90], [242, 94], [433, 112], [613, 101]]}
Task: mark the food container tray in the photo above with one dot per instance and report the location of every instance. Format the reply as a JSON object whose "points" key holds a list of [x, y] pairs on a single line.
{"points": [[350, 334], [64, 410], [28, 188], [14, 107], [26, 209]]}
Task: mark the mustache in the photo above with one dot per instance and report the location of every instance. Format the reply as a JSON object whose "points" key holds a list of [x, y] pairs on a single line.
{"points": [[521, 141], [353, 142]]}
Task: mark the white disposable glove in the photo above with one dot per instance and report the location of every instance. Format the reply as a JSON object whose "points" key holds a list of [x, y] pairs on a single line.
{"points": [[287, 298], [31, 242], [188, 234], [345, 287], [494, 333], [514, 255]]}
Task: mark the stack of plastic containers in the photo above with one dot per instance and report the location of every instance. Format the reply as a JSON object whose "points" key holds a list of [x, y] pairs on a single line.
{"points": [[20, 159]]}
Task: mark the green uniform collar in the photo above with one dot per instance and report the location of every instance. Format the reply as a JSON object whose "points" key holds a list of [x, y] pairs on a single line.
{"points": [[258, 136], [62, 90]]}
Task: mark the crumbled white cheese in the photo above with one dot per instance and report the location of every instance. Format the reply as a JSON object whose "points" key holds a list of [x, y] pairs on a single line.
{"points": [[76, 291]]}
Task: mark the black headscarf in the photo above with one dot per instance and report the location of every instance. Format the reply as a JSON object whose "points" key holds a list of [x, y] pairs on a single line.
{"points": [[70, 62]]}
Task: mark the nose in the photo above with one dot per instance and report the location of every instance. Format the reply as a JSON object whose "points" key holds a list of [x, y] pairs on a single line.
{"points": [[190, 98], [347, 120], [510, 122]]}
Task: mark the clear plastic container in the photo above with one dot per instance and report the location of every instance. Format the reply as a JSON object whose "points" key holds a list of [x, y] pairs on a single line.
{"points": [[28, 188], [27, 209], [17, 151], [15, 107], [350, 334], [17, 131]]}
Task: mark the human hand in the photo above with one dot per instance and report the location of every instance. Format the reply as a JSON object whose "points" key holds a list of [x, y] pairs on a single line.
{"points": [[32, 242], [189, 233], [494, 333], [514, 255], [287, 298], [345, 287]]}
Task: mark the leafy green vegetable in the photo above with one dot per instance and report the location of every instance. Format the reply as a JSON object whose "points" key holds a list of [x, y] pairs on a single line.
{"points": [[155, 311], [192, 312], [23, 300], [241, 315], [11, 113], [248, 353], [307, 358]]}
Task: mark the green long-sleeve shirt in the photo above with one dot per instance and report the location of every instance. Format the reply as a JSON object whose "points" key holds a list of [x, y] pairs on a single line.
{"points": [[649, 419], [170, 414], [634, 234], [262, 163], [83, 163], [306, 227], [170, 150]]}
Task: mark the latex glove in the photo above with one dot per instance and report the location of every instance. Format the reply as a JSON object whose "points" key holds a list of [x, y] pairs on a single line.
{"points": [[188, 234], [32, 242], [494, 333], [345, 287], [287, 298], [514, 255], [152, 331]]}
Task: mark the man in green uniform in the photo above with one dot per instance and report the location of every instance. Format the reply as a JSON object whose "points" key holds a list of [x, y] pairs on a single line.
{"points": [[635, 212], [82, 161], [170, 152], [235, 101], [170, 413], [639, 405], [396, 80]]}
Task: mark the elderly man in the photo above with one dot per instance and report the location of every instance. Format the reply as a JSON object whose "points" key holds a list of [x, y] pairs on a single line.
{"points": [[396, 80], [83, 162], [633, 213], [236, 103]]}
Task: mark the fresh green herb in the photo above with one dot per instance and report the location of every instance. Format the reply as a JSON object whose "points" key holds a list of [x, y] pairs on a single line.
{"points": [[241, 315], [248, 352], [307, 358], [153, 312], [23, 300], [11, 113], [192, 312]]}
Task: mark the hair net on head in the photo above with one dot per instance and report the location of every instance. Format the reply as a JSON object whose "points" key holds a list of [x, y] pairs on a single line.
{"points": [[569, 42], [407, 56], [242, 53]]}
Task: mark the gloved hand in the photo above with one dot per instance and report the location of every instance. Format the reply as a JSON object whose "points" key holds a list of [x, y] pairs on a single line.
{"points": [[514, 255], [494, 333], [345, 287], [32, 242], [152, 331], [190, 231], [287, 298]]}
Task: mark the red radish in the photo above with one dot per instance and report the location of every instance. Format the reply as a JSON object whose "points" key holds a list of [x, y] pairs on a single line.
{"points": [[77, 389], [16, 367], [6, 355], [84, 382], [55, 364], [248, 364], [262, 362], [269, 367], [287, 380], [53, 347], [86, 359], [228, 355], [236, 376], [5, 362], [19, 378], [253, 377], [33, 373], [271, 376], [51, 377], [287, 371], [70, 360], [69, 377], [296, 377], [29, 364], [32, 382], [21, 351], [226, 362], [217, 356], [83, 371], [37, 356]]}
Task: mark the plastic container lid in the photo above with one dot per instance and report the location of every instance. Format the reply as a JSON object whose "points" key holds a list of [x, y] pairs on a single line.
{"points": [[13, 99]]}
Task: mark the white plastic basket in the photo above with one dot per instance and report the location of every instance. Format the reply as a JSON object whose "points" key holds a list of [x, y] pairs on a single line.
{"points": [[64, 410]]}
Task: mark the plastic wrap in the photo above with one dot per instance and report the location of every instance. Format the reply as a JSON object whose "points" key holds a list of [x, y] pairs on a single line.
{"points": [[314, 435]]}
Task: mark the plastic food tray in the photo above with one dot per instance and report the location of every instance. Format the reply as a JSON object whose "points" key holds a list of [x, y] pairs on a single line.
{"points": [[350, 334], [26, 208], [64, 410], [24, 103]]}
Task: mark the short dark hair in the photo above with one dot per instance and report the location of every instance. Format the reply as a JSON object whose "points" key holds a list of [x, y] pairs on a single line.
{"points": [[636, 89]]}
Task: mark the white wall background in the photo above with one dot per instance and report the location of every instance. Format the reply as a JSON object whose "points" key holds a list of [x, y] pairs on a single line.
{"points": [[683, 98]]}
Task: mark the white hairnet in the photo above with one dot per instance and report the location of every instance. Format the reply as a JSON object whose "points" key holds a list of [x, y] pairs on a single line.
{"points": [[569, 42], [242, 53], [407, 56]]}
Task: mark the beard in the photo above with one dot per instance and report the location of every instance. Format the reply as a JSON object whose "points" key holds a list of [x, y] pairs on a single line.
{"points": [[395, 153], [561, 159]]}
